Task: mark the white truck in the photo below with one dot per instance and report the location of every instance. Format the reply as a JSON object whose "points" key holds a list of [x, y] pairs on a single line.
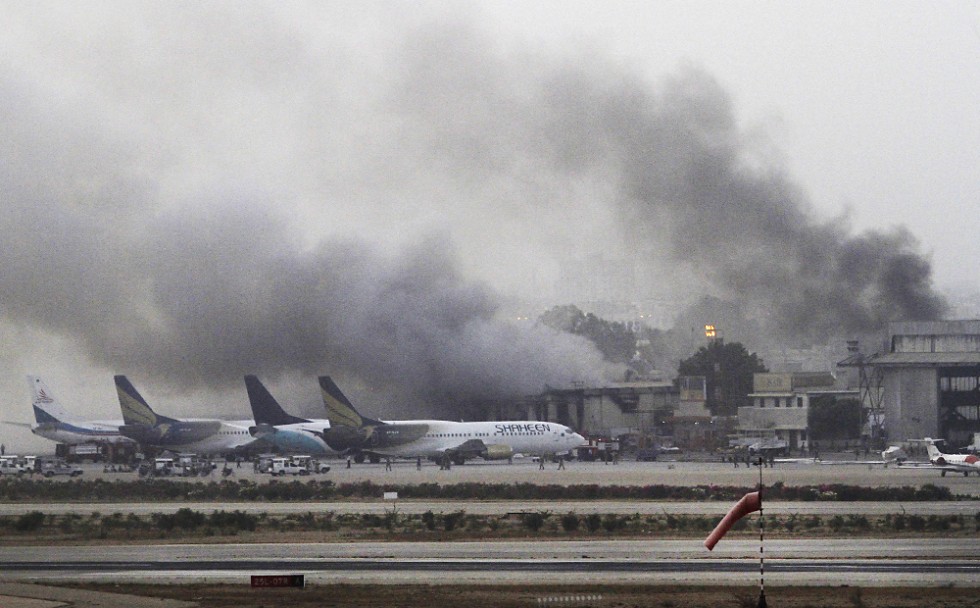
{"points": [[312, 464], [50, 468], [10, 466], [287, 466]]}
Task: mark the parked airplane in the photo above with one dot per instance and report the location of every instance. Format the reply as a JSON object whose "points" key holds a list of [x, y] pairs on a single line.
{"points": [[958, 463], [286, 432], [205, 436], [894, 453], [438, 439], [55, 423]]}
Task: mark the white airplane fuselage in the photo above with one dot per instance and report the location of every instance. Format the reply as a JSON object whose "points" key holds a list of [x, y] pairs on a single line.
{"points": [[75, 432], [202, 436], [521, 437], [961, 463]]}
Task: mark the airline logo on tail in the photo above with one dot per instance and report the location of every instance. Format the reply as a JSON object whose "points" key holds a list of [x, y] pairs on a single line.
{"points": [[135, 410], [340, 411], [46, 406]]}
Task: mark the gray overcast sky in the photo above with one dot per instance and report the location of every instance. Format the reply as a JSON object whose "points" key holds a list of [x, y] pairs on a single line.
{"points": [[169, 167], [872, 105]]}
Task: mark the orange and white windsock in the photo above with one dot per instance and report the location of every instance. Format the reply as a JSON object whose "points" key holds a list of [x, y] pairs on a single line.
{"points": [[749, 503]]}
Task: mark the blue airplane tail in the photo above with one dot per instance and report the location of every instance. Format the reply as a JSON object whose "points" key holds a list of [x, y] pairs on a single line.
{"points": [[265, 408]]}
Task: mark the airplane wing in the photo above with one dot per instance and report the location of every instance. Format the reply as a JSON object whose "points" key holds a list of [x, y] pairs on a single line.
{"points": [[470, 447], [915, 464], [477, 448], [261, 431], [26, 425], [860, 462]]}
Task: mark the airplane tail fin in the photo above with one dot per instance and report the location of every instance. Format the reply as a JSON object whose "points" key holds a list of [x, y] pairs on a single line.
{"points": [[933, 451], [265, 408], [46, 407], [135, 409], [340, 411]]}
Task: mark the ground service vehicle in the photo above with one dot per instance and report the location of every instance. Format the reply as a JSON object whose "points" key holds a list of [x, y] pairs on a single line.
{"points": [[284, 466], [312, 464], [8, 466], [50, 468]]}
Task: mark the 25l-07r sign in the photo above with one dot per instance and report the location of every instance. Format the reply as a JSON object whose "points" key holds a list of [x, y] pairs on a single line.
{"points": [[278, 580]]}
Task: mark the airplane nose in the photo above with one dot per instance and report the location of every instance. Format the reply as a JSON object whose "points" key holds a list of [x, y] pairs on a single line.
{"points": [[579, 440]]}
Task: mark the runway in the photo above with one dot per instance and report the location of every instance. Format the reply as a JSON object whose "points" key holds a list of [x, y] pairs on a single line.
{"points": [[921, 562], [884, 562]]}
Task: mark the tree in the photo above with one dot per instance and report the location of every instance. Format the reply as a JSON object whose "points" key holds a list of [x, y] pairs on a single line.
{"points": [[616, 341], [832, 418], [728, 370]]}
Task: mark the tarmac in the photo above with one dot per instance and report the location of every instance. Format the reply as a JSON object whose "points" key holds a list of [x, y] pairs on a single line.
{"points": [[37, 595], [30, 595]]}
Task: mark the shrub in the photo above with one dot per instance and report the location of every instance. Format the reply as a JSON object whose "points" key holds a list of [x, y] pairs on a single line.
{"points": [[593, 522], [29, 522], [790, 523], [533, 521], [237, 520], [188, 519], [429, 520], [451, 520], [371, 520], [611, 523], [569, 522], [68, 522]]}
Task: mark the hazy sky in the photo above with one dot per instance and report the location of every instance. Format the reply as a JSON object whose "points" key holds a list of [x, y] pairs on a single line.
{"points": [[190, 192], [871, 106]]}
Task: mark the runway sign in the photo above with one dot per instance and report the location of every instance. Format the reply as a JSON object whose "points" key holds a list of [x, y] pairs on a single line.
{"points": [[278, 580]]}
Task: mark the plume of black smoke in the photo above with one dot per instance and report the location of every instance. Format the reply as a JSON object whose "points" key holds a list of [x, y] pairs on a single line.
{"points": [[408, 321], [214, 293], [96, 250], [196, 295], [684, 184]]}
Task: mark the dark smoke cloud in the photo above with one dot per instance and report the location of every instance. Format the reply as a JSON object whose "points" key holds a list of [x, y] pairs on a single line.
{"points": [[121, 234], [197, 294], [685, 184], [231, 290]]}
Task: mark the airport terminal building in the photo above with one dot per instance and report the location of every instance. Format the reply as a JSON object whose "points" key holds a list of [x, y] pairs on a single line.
{"points": [[930, 380], [781, 405], [642, 408]]}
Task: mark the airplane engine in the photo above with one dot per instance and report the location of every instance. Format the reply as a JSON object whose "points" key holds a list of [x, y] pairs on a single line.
{"points": [[497, 452]]}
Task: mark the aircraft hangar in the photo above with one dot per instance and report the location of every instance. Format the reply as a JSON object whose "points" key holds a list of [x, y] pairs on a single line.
{"points": [[930, 380]]}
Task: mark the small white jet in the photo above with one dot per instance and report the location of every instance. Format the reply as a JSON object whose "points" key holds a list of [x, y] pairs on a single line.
{"points": [[894, 453], [958, 463], [55, 423]]}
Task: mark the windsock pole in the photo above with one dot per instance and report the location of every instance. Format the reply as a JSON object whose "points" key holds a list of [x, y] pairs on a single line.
{"points": [[762, 552]]}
